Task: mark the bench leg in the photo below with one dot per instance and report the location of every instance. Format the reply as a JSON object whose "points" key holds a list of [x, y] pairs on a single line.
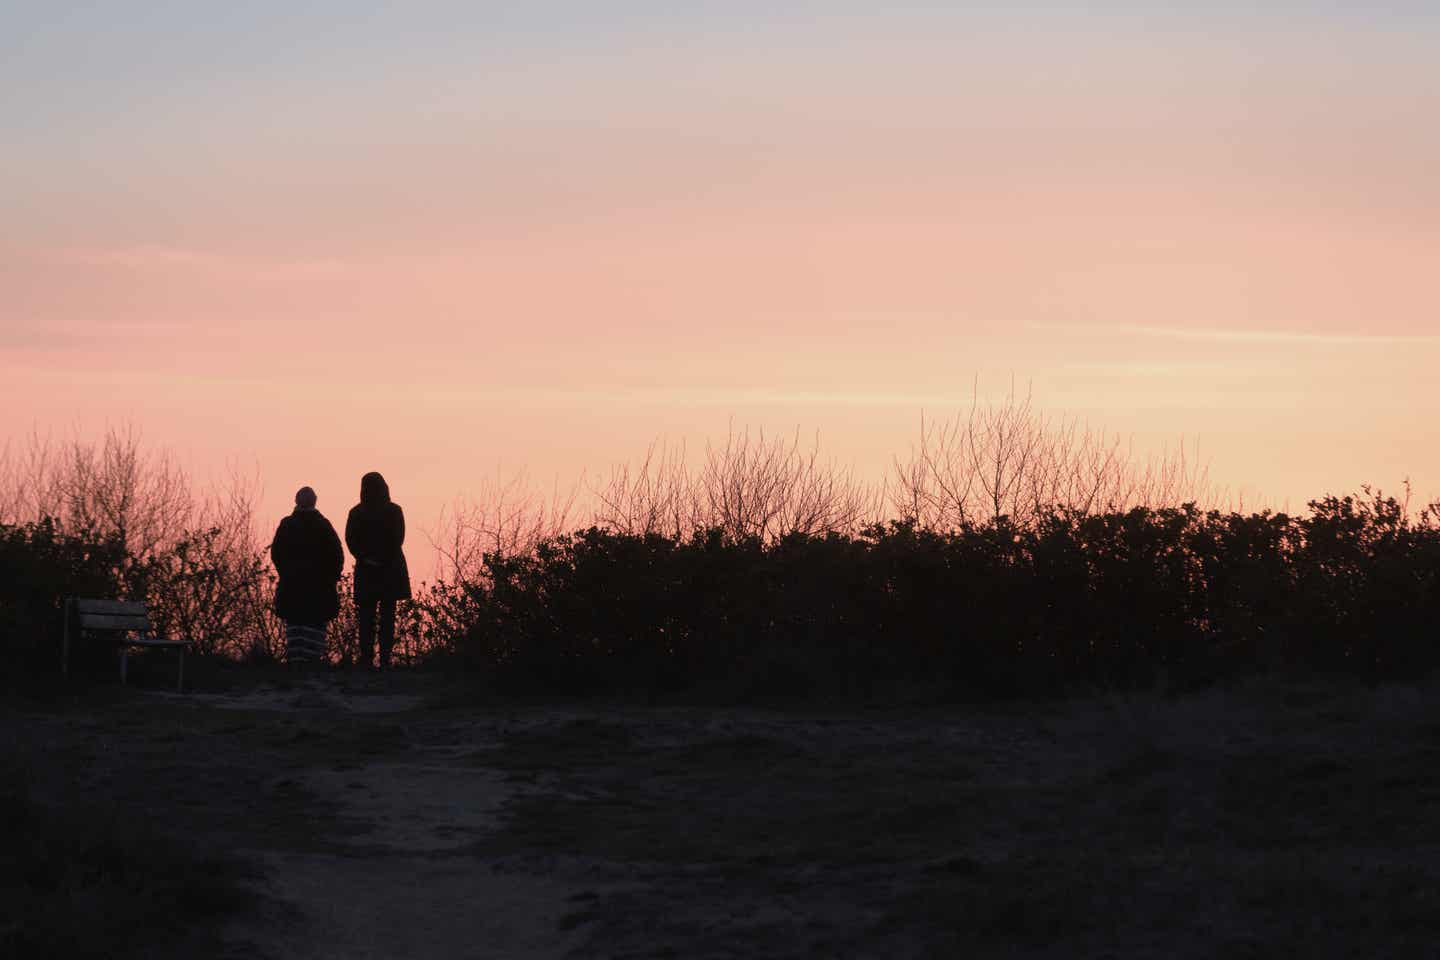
{"points": [[124, 663], [180, 681]]}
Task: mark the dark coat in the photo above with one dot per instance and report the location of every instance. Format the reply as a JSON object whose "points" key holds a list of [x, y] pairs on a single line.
{"points": [[375, 532], [307, 556]]}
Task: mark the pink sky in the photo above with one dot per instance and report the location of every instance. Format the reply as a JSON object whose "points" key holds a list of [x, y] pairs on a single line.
{"points": [[546, 257]]}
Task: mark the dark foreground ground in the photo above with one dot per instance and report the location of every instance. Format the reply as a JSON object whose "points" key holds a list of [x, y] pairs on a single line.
{"points": [[394, 817]]}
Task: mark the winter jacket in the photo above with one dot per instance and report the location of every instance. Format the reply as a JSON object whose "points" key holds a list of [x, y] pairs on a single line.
{"points": [[307, 556], [375, 532]]}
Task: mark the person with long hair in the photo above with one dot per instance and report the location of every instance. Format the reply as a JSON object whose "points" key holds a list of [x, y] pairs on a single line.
{"points": [[375, 534]]}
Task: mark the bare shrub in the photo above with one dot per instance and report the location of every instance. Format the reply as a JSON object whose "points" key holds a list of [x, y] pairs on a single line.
{"points": [[30, 480], [194, 557], [213, 585], [655, 496], [751, 488], [1010, 460], [510, 517]]}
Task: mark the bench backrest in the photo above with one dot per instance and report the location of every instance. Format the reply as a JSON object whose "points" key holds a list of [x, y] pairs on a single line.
{"points": [[110, 614]]}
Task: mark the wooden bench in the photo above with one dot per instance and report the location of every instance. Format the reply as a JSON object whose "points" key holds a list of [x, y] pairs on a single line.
{"points": [[126, 621]]}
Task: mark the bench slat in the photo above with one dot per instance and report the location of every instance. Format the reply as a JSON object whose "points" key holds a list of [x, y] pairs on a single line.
{"points": [[122, 608], [128, 616], [101, 621]]}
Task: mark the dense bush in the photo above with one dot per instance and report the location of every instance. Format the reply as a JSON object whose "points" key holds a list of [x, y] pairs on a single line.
{"points": [[1032, 560], [1070, 602], [110, 519], [40, 564]]}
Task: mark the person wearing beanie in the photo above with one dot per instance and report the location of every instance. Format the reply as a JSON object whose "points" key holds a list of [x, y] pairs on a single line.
{"points": [[307, 556], [375, 533]]}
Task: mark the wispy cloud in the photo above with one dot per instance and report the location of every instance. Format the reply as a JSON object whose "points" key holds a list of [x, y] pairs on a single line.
{"points": [[140, 256], [105, 334], [670, 397], [1163, 370], [160, 257], [91, 377], [1218, 335]]}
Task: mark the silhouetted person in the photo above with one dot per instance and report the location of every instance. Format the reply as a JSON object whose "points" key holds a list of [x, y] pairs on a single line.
{"points": [[308, 557], [375, 532]]}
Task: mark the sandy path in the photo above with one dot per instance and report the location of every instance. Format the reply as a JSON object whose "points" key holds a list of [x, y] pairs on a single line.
{"points": [[402, 880]]}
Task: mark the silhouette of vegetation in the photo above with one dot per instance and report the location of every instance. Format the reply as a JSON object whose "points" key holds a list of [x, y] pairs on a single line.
{"points": [[1069, 603], [1029, 558], [108, 518], [40, 564]]}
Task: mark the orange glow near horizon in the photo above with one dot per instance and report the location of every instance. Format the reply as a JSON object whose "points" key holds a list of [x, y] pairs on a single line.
{"points": [[441, 266]]}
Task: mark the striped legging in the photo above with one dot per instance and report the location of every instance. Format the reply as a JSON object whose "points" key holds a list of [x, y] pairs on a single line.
{"points": [[304, 643]]}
